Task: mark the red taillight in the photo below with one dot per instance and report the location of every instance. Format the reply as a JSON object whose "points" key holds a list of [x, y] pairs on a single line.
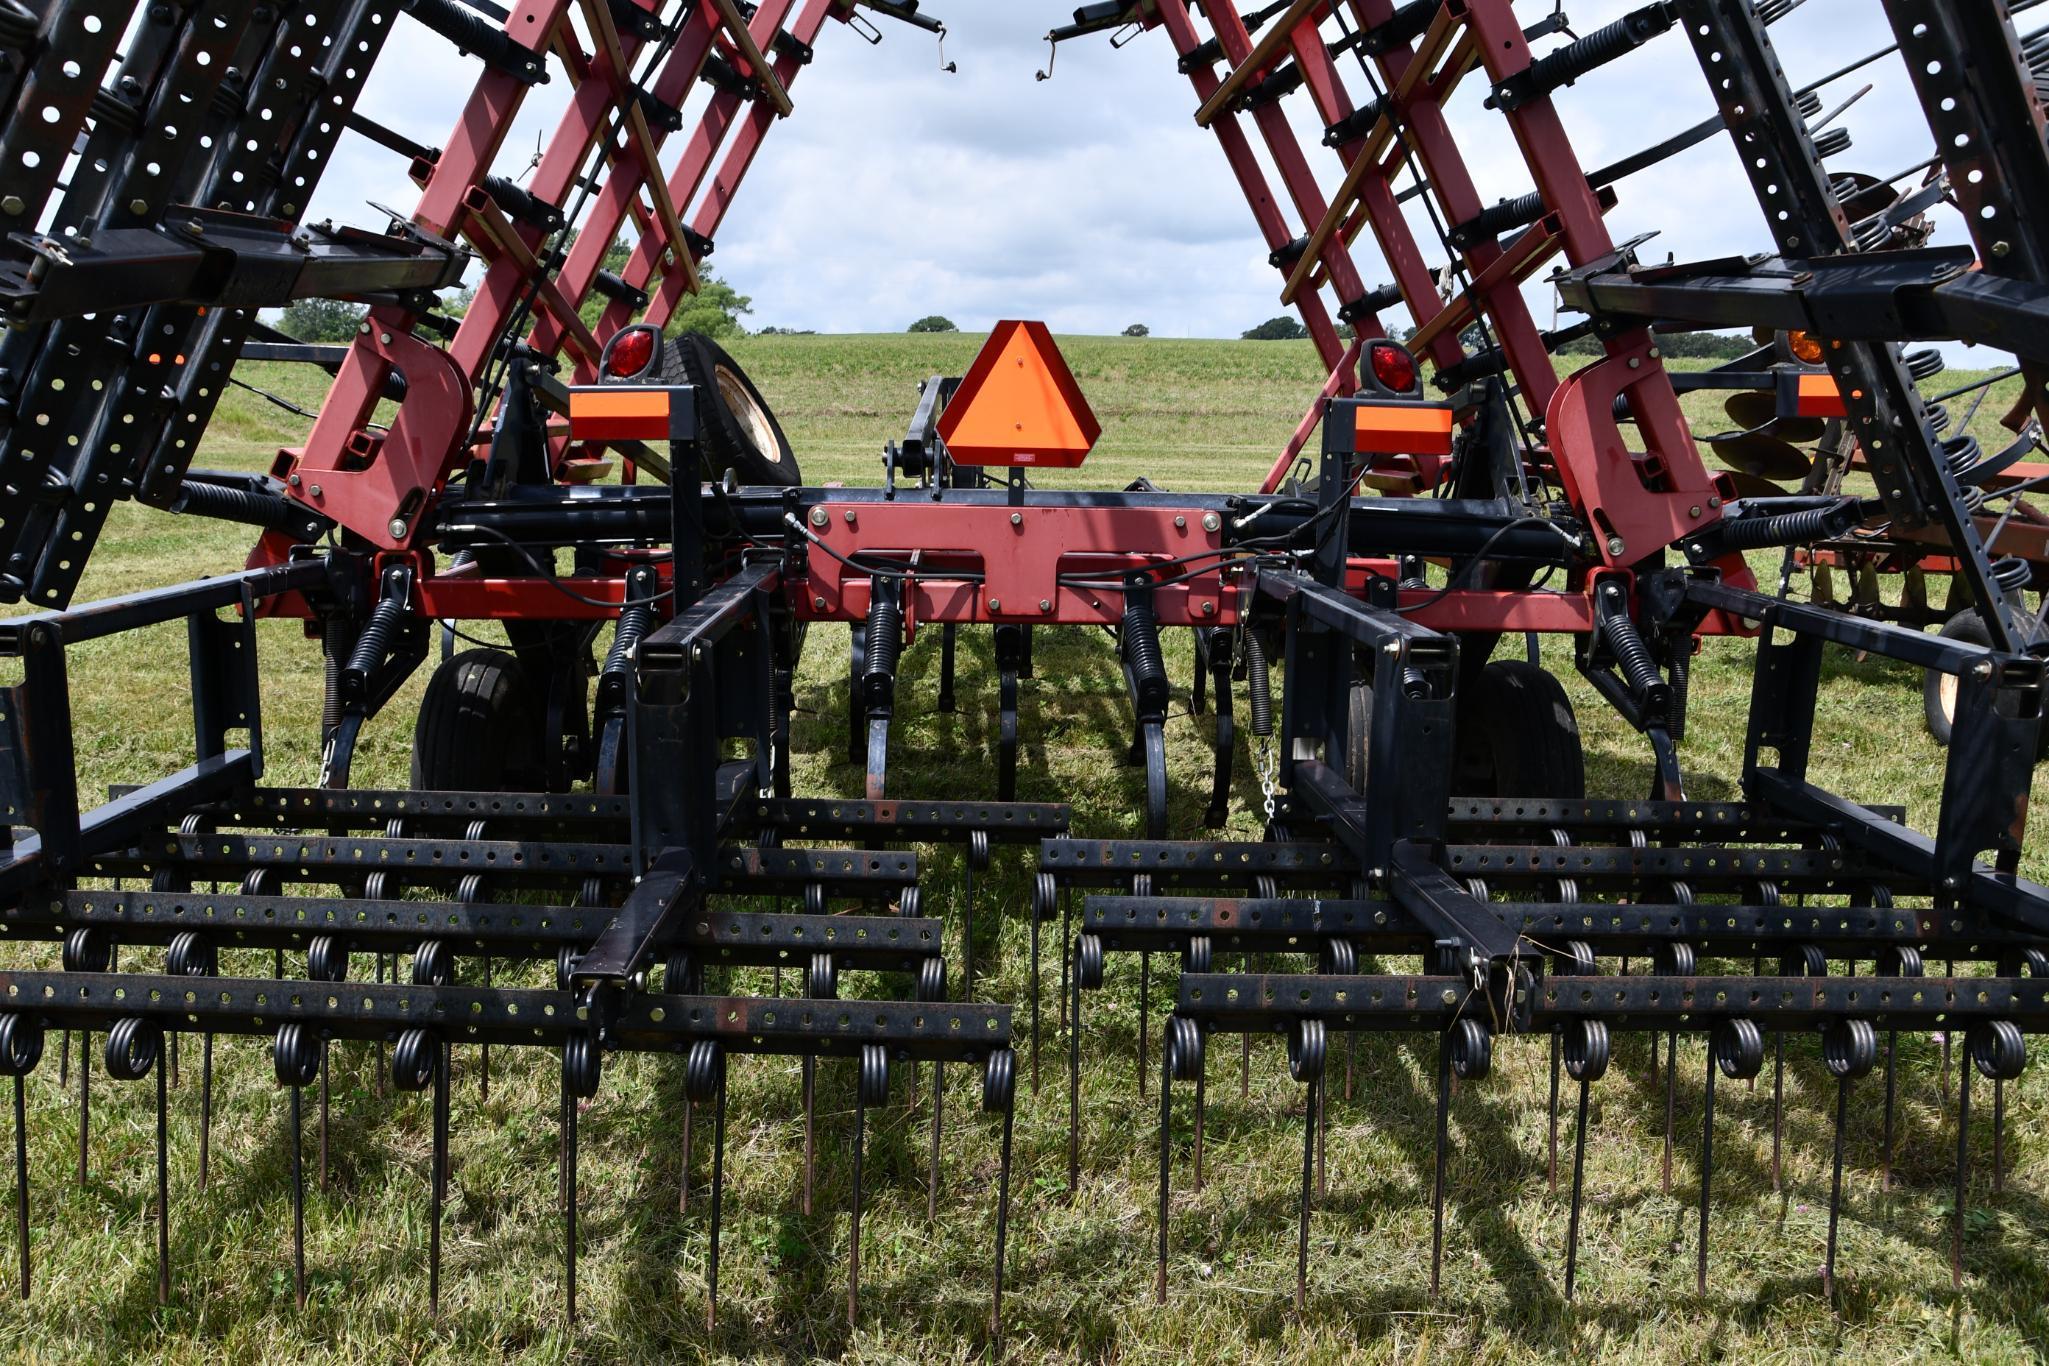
{"points": [[630, 352], [1393, 366]]}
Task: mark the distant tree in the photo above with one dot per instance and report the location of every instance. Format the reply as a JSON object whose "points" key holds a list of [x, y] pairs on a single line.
{"points": [[1346, 332], [932, 323], [320, 320], [1283, 328], [1138, 330], [786, 332], [714, 310]]}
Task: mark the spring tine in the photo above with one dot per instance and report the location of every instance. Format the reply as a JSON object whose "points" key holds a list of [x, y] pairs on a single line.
{"points": [[1322, 1128], [483, 1085], [1073, 1074], [205, 1105], [1579, 1163], [1671, 1098], [1998, 1135], [1891, 1091], [689, 1120], [1707, 1174], [381, 1074], [1949, 970], [323, 1114], [1145, 984], [278, 965], [938, 1100], [84, 1098], [21, 1177], [1201, 1106], [1351, 1056], [163, 1193], [1166, 1155], [1002, 1225], [567, 1169], [1033, 916], [298, 1203], [967, 931], [1313, 1105], [173, 1042], [1066, 942], [440, 1178], [1551, 1159], [1956, 1239], [854, 1226], [1835, 1196], [810, 1129], [1778, 1103], [718, 1188], [1437, 1187], [64, 1058]]}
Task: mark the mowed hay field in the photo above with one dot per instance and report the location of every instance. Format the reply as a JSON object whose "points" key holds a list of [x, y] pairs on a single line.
{"points": [[1188, 415]]}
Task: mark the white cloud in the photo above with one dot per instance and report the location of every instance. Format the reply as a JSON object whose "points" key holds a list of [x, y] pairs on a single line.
{"points": [[1092, 200]]}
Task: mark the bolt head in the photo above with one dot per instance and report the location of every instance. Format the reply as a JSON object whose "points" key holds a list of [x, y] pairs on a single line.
{"points": [[1615, 545], [996, 604], [819, 516], [1045, 604], [818, 604], [1982, 669], [293, 480], [1209, 609], [1180, 523], [1693, 511], [13, 204], [138, 206], [1017, 519], [384, 338], [397, 527], [850, 516], [1210, 521], [317, 491]]}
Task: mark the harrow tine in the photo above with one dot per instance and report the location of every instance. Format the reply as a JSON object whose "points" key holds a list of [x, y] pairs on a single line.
{"points": [[1437, 1185], [298, 1205], [1166, 1154], [1707, 1174], [1849, 1049], [440, 1175], [1551, 1158], [1145, 983], [1586, 1060], [1579, 1163], [1835, 1195], [810, 1132], [1073, 1069], [206, 1105], [21, 1177], [999, 1083], [163, 1192], [84, 1100], [1892, 1037], [1306, 1049], [1956, 1239], [718, 1191], [323, 1114], [871, 1087]]}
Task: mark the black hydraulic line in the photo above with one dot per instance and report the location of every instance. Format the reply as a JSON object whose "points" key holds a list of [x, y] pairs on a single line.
{"points": [[473, 32]]}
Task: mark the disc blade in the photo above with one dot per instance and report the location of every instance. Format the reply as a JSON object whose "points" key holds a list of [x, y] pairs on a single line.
{"points": [[1752, 411], [1767, 457]]}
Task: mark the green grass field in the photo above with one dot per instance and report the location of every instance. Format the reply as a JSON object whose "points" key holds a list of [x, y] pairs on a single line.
{"points": [[1188, 415]]}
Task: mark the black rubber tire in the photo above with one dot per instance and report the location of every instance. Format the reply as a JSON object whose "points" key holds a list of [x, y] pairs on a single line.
{"points": [[479, 728], [1938, 689], [1359, 727], [736, 429], [1517, 736]]}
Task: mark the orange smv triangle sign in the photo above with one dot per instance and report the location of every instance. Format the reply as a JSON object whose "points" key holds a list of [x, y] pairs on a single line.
{"points": [[1019, 405]]}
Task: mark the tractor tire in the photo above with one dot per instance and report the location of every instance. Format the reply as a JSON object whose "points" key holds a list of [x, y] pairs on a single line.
{"points": [[1359, 728], [735, 429], [1939, 690], [479, 728], [1518, 737]]}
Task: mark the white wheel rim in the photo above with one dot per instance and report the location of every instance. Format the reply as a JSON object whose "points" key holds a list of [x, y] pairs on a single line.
{"points": [[753, 421]]}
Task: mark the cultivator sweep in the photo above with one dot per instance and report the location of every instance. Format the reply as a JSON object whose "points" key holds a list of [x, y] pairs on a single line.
{"points": [[583, 842]]}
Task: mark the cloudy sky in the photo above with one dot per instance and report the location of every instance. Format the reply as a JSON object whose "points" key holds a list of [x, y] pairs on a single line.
{"points": [[1093, 200]]}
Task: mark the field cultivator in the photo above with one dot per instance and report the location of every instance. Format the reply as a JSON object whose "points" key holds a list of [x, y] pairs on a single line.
{"points": [[586, 837]]}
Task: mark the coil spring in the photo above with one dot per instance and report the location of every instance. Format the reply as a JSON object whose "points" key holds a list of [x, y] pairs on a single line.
{"points": [[375, 641], [1142, 652], [2012, 573], [633, 624], [1832, 142], [18, 24], [21, 1045], [267, 510], [335, 640], [1780, 528], [1258, 687], [1926, 363], [472, 32], [1500, 217], [885, 636], [1961, 451], [1404, 25], [522, 205], [1938, 418], [1598, 48], [615, 288], [1631, 652]]}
